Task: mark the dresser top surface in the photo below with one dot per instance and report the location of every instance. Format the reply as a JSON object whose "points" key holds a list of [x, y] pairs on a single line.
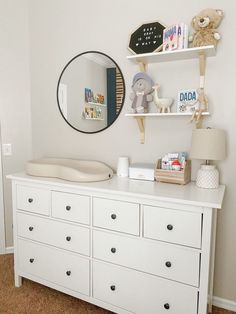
{"points": [[188, 194]]}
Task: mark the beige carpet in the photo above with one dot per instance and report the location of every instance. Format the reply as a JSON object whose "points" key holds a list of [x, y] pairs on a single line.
{"points": [[34, 298]]}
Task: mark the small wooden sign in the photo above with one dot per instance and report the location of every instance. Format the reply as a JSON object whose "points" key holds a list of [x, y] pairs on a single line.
{"points": [[147, 38]]}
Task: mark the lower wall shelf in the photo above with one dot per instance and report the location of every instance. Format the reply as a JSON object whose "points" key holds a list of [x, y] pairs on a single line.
{"points": [[140, 117], [156, 114]]}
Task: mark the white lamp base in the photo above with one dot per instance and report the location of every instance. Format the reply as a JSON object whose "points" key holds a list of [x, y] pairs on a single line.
{"points": [[208, 177]]}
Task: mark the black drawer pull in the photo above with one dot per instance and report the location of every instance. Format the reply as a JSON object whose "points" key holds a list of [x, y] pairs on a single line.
{"points": [[167, 306], [113, 288], [168, 264], [68, 273], [113, 216], [68, 207], [170, 227], [113, 250], [30, 200], [31, 260], [68, 238], [31, 228]]}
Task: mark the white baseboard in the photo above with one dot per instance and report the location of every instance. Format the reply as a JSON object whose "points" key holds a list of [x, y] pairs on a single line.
{"points": [[9, 250], [224, 303]]}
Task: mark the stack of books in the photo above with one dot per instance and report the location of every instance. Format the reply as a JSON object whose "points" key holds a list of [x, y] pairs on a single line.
{"points": [[175, 37]]}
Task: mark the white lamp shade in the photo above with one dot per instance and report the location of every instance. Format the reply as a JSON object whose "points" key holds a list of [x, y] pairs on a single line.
{"points": [[208, 144]]}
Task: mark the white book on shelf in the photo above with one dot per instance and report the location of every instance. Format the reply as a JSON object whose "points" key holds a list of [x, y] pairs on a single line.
{"points": [[185, 44], [181, 29]]}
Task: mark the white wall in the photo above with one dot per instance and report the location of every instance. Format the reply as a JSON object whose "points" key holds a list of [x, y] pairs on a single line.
{"points": [[61, 29], [14, 94]]}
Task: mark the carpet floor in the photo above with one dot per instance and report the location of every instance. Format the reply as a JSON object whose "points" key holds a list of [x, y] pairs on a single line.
{"points": [[34, 298]]}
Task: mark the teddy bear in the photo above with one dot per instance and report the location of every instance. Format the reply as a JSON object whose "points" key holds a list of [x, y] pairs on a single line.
{"points": [[205, 25], [141, 94]]}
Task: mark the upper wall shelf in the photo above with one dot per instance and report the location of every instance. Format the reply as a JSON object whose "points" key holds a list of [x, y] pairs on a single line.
{"points": [[175, 55]]}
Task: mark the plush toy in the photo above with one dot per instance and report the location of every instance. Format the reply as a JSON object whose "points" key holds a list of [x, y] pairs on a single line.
{"points": [[205, 25], [141, 95], [202, 106], [163, 104]]}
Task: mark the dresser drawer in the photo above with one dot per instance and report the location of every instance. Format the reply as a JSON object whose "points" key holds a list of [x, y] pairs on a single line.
{"points": [[157, 258], [71, 207], [62, 235], [116, 215], [142, 293], [62, 268], [35, 200], [174, 226]]}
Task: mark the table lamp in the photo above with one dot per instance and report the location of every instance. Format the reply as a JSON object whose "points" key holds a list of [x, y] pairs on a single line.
{"points": [[208, 144]]}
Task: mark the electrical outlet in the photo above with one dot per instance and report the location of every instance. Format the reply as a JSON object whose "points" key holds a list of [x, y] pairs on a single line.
{"points": [[7, 149]]}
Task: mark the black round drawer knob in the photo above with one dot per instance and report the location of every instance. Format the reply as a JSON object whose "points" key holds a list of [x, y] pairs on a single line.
{"points": [[113, 216], [31, 260], [170, 227], [68, 238], [113, 288], [113, 250], [31, 228], [167, 306], [30, 200], [68, 273], [68, 207], [168, 264]]}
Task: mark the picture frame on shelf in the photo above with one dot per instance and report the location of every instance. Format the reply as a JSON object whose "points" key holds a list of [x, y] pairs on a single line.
{"points": [[186, 100], [88, 95], [147, 38]]}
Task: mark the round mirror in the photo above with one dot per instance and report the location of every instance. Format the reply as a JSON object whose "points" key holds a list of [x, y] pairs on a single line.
{"points": [[91, 92]]}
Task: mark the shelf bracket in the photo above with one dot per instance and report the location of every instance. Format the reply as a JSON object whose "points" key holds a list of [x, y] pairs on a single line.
{"points": [[202, 68], [141, 125], [142, 66]]}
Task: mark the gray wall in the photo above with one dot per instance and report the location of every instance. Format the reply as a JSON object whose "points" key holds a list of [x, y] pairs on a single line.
{"points": [[14, 94]]}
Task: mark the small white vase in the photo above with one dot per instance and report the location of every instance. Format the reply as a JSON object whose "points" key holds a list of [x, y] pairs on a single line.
{"points": [[208, 177], [123, 167]]}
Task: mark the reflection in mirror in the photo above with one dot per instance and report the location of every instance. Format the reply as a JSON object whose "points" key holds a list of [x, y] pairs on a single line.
{"points": [[90, 92]]}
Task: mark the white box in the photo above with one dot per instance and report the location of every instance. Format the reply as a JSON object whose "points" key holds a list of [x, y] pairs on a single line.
{"points": [[142, 171]]}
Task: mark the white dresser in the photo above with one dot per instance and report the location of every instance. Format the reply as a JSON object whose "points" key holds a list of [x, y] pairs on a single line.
{"points": [[127, 246]]}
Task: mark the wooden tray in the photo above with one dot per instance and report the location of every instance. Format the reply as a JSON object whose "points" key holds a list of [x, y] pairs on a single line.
{"points": [[172, 176]]}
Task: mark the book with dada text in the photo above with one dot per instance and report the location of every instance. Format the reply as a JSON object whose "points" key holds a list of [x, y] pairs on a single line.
{"points": [[187, 100], [175, 37]]}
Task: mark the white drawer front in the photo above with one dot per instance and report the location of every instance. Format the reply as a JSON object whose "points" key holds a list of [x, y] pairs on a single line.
{"points": [[71, 207], [141, 293], [158, 258], [35, 200], [62, 268], [174, 226], [116, 215], [62, 235]]}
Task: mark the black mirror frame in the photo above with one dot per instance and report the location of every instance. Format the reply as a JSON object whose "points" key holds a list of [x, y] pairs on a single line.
{"points": [[102, 53]]}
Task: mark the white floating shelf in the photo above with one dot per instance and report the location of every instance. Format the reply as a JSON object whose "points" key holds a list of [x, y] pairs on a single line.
{"points": [[170, 114], [97, 119], [96, 104], [182, 54]]}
